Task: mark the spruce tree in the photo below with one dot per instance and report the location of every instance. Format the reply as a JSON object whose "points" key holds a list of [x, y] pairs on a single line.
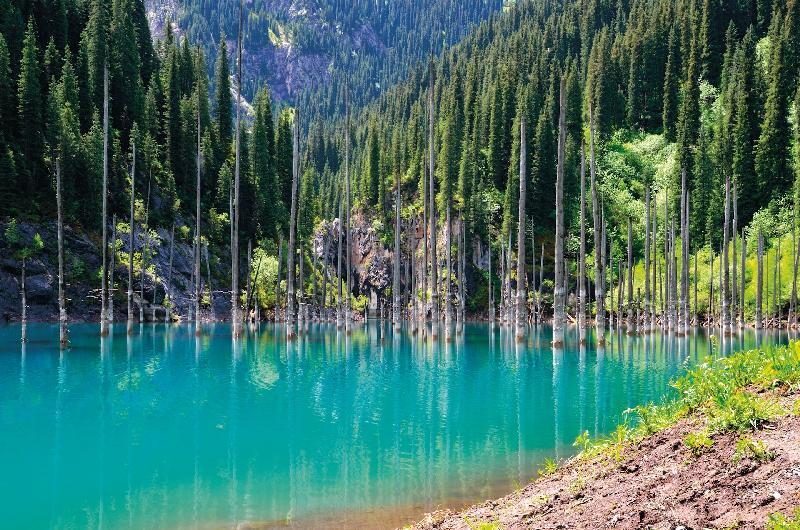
{"points": [[223, 104], [671, 83], [29, 116]]}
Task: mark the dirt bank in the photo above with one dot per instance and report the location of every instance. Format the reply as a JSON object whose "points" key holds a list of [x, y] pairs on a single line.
{"points": [[658, 483]]}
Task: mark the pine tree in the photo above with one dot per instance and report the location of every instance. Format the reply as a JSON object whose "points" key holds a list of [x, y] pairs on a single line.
{"points": [[689, 119], [29, 116], [745, 126], [223, 103], [772, 152], [671, 81]]}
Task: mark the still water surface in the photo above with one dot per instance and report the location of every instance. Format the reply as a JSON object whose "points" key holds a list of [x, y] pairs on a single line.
{"points": [[166, 430]]}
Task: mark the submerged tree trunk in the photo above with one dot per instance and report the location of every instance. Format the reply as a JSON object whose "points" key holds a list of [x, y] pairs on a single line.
{"points": [[290, 294], [647, 316], [448, 306], [599, 262], [522, 297], [348, 256], [631, 310], [62, 310], [132, 243], [111, 266], [582, 252], [339, 316], [684, 318], [235, 317], [197, 329], [276, 316], [168, 310], [558, 294], [103, 266], [145, 251], [491, 286], [248, 291], [735, 302], [725, 293], [760, 282], [534, 305], [462, 279], [396, 277], [24, 299], [432, 212], [425, 243]]}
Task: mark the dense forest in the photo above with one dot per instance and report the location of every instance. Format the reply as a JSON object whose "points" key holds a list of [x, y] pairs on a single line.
{"points": [[297, 46], [706, 88]]}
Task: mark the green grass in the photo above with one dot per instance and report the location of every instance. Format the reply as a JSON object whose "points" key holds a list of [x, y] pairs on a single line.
{"points": [[724, 393], [746, 447], [778, 521]]}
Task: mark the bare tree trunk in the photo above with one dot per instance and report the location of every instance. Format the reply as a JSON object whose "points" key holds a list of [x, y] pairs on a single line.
{"points": [[522, 295], [208, 281], [491, 286], [541, 281], [314, 301], [725, 315], [760, 284], [448, 306], [558, 294], [145, 252], [432, 211], [582, 252], [462, 279], [776, 316], [24, 298], [735, 321], [235, 317], [197, 329], [278, 281], [793, 302], [290, 298], [349, 255], [324, 316], [742, 285], [631, 311], [301, 295], [103, 266], [249, 283], [62, 309], [647, 316], [168, 310], [396, 271], [534, 313], [111, 266], [339, 316], [509, 302], [132, 243], [599, 261], [425, 243], [684, 317]]}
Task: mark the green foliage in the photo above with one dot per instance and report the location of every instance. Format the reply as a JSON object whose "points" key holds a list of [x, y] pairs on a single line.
{"points": [[549, 466], [698, 442], [746, 447], [779, 521]]}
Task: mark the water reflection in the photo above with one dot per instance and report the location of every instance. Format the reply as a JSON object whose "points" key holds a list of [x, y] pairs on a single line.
{"points": [[168, 428]]}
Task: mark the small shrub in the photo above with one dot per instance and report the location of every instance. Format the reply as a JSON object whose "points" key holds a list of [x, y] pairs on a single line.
{"points": [[746, 447], [549, 467], [742, 411], [778, 521], [698, 442]]}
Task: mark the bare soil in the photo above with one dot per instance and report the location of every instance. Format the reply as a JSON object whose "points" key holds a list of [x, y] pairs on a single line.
{"points": [[658, 484]]}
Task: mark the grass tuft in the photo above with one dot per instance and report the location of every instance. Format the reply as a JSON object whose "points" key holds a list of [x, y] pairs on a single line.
{"points": [[698, 442], [746, 447]]}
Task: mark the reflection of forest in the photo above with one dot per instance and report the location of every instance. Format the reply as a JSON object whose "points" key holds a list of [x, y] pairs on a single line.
{"points": [[167, 428]]}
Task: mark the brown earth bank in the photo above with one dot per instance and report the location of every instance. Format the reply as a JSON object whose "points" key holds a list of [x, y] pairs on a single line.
{"points": [[658, 484]]}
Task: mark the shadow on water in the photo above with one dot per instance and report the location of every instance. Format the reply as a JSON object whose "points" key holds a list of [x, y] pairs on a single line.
{"points": [[168, 429]]}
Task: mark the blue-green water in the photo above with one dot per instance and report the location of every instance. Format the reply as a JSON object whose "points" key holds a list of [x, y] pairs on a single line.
{"points": [[165, 430]]}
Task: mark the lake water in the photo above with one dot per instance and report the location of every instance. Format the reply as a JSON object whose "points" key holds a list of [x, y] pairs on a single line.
{"points": [[166, 430]]}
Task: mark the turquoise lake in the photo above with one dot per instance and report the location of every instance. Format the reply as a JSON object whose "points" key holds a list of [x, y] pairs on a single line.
{"points": [[166, 430]]}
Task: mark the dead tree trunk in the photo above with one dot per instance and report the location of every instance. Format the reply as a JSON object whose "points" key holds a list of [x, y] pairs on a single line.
{"points": [[684, 317], [249, 283], [396, 271], [167, 287], [132, 242], [522, 297], [235, 317], [558, 294], [582, 252], [491, 286], [725, 293], [197, 329], [631, 310], [103, 266], [62, 309], [448, 306], [432, 212], [647, 316], [339, 316], [599, 262], [290, 294], [145, 251], [278, 281], [735, 302], [24, 298], [111, 266], [760, 282], [348, 256]]}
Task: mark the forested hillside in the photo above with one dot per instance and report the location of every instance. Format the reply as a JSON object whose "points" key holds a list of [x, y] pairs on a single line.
{"points": [[298, 46], [705, 86]]}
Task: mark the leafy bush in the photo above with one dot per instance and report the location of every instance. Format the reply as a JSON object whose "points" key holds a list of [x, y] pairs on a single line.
{"points": [[698, 442]]}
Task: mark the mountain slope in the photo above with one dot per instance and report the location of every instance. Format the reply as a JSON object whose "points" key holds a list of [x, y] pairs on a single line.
{"points": [[295, 45]]}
